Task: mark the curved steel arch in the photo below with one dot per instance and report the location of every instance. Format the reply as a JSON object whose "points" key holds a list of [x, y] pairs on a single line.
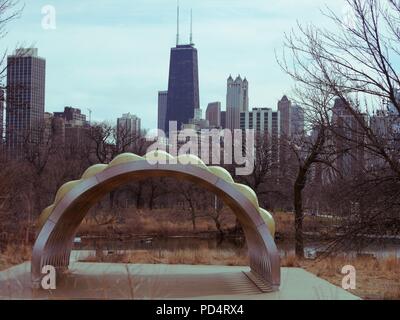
{"points": [[55, 240]]}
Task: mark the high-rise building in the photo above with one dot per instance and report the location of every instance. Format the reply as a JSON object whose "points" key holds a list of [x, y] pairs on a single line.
{"points": [[183, 86], [162, 109], [183, 83], [349, 137], [223, 119], [197, 123], [285, 109], [392, 110], [297, 120], [232, 118], [385, 124], [262, 120], [394, 114], [73, 126], [238, 93], [26, 73], [54, 130], [245, 86], [128, 129], [381, 124], [237, 101], [266, 124], [1, 115], [213, 114], [73, 117], [198, 114]]}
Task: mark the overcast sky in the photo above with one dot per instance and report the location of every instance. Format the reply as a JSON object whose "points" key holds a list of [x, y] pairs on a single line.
{"points": [[112, 56]]}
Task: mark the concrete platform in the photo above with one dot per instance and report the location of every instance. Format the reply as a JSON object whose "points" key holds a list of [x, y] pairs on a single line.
{"points": [[123, 281]]}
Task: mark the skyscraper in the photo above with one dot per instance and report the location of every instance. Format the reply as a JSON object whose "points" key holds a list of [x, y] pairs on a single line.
{"points": [[297, 120], [26, 73], [237, 101], [266, 124], [262, 120], [245, 86], [349, 137], [285, 108], [162, 109], [183, 85], [1, 115], [382, 124], [213, 114], [223, 119], [238, 93], [128, 130]]}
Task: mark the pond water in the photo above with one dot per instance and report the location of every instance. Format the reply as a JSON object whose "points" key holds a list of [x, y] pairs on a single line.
{"points": [[182, 243]]}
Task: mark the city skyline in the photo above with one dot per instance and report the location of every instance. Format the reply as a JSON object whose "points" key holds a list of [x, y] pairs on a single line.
{"points": [[245, 32], [275, 169]]}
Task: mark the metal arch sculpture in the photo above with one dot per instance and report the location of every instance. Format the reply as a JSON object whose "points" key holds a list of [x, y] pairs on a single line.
{"points": [[59, 222]]}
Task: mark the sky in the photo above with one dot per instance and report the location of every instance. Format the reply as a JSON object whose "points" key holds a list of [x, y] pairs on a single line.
{"points": [[113, 56]]}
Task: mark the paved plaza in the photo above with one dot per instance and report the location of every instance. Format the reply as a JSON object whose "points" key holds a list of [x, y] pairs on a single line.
{"points": [[134, 281]]}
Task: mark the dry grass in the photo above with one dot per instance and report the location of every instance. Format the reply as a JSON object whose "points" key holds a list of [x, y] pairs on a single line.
{"points": [[165, 222], [285, 224], [187, 256], [173, 222], [376, 278], [13, 255]]}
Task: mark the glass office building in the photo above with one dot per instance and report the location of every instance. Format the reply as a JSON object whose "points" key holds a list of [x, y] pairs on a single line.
{"points": [[183, 86], [26, 73]]}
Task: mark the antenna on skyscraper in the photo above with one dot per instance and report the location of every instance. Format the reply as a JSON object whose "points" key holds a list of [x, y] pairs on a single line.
{"points": [[177, 25], [191, 26]]}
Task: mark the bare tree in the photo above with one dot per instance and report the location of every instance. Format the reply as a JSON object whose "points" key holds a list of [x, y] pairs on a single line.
{"points": [[101, 144], [310, 148], [156, 188], [9, 10], [107, 141], [216, 215], [264, 163], [356, 62], [190, 193]]}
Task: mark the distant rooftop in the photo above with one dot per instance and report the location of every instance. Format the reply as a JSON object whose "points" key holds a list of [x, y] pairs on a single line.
{"points": [[129, 116], [185, 46], [262, 109]]}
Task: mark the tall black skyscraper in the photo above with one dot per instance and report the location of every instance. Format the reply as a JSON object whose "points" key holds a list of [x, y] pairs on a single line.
{"points": [[183, 85]]}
